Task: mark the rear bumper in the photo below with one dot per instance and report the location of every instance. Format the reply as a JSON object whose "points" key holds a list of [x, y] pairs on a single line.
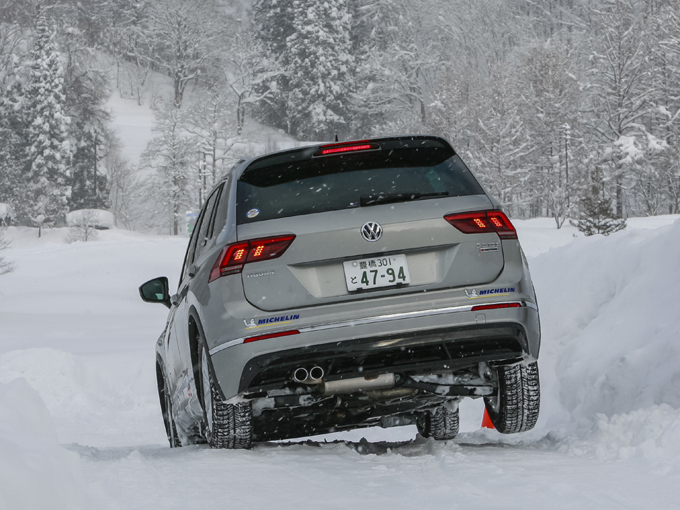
{"points": [[418, 342], [414, 353]]}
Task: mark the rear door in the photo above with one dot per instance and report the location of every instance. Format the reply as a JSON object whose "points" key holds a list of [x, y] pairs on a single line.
{"points": [[368, 223]]}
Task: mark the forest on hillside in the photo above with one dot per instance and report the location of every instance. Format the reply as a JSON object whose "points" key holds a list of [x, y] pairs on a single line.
{"points": [[554, 104]]}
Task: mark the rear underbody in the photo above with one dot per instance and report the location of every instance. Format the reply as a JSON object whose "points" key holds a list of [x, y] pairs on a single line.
{"points": [[385, 381]]}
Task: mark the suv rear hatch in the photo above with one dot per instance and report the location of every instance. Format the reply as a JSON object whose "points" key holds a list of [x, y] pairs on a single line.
{"points": [[368, 221]]}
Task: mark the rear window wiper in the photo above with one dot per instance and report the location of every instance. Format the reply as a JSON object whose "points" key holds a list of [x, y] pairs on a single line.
{"points": [[367, 200]]}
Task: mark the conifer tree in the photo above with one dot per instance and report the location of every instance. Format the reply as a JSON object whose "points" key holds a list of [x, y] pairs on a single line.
{"points": [[48, 175], [12, 146], [596, 214], [320, 69], [273, 25], [86, 91]]}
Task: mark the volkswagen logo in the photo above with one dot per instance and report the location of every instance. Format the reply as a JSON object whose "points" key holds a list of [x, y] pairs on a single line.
{"points": [[371, 231]]}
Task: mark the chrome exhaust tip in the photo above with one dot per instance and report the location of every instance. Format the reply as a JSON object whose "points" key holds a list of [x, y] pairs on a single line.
{"points": [[316, 374], [300, 375]]}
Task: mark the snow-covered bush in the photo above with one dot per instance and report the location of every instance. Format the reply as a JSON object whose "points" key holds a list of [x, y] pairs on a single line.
{"points": [[83, 224], [7, 215], [5, 266]]}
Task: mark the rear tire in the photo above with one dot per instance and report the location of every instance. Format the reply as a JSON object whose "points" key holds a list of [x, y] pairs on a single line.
{"points": [[516, 406], [441, 425], [226, 425]]}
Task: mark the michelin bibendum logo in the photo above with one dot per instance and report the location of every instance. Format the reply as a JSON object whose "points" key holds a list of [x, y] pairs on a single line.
{"points": [[269, 321], [501, 291]]}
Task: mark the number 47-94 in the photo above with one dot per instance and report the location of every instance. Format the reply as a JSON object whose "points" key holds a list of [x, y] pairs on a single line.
{"points": [[371, 277]]}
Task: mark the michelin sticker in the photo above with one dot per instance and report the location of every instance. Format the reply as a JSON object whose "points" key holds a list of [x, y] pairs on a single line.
{"points": [[502, 291], [252, 213], [270, 321]]}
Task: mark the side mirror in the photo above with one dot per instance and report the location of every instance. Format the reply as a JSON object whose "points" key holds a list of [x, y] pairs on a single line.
{"points": [[156, 291]]}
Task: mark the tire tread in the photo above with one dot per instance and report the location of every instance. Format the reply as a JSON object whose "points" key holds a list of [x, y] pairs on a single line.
{"points": [[232, 423], [520, 398]]}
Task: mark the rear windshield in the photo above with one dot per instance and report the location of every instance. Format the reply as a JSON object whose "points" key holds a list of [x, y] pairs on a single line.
{"points": [[297, 183]]}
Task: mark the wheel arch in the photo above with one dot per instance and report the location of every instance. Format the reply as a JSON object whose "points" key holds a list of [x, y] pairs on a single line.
{"points": [[161, 381], [196, 331]]}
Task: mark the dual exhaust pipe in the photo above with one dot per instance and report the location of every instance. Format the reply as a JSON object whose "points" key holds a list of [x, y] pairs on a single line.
{"points": [[311, 376], [315, 375]]}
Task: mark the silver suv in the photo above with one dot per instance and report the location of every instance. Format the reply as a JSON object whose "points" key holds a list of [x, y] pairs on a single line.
{"points": [[348, 285]]}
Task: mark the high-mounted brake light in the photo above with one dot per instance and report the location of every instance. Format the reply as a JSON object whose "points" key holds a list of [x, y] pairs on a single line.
{"points": [[482, 222], [497, 305], [341, 148], [271, 335], [349, 148], [234, 256]]}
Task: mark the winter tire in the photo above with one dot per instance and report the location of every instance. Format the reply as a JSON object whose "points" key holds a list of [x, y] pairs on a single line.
{"points": [[442, 424], [515, 408], [226, 425]]}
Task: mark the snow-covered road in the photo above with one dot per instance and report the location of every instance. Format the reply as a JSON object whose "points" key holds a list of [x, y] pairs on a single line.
{"points": [[467, 473], [80, 425]]}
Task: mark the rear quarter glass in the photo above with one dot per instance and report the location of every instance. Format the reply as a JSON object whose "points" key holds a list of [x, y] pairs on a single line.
{"points": [[298, 183]]}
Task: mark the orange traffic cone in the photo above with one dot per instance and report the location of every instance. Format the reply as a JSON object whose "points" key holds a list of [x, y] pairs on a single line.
{"points": [[486, 421]]}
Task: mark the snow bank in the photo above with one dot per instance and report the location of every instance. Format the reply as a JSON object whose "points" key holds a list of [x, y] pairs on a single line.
{"points": [[611, 337], [35, 472], [652, 433], [93, 399], [539, 235]]}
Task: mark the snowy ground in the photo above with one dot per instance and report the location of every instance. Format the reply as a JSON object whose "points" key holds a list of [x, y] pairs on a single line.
{"points": [[80, 425]]}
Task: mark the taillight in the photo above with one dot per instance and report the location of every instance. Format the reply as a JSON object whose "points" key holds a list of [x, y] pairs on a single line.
{"points": [[482, 222], [234, 256], [497, 305], [271, 335]]}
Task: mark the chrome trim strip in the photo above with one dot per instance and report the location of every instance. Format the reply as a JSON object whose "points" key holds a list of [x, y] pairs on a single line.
{"points": [[383, 318], [386, 318], [226, 345], [406, 315]]}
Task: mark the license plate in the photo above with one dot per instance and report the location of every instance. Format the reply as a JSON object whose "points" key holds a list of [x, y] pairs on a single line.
{"points": [[376, 272]]}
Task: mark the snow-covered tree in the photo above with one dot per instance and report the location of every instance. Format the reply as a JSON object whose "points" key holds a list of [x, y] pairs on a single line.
{"points": [[184, 36], [621, 99], [125, 195], [12, 120], [664, 50], [320, 69], [248, 75], [273, 25], [453, 111], [48, 177], [395, 58], [171, 154], [212, 123], [86, 90], [551, 100], [596, 215], [128, 37], [5, 265], [502, 139], [12, 145]]}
